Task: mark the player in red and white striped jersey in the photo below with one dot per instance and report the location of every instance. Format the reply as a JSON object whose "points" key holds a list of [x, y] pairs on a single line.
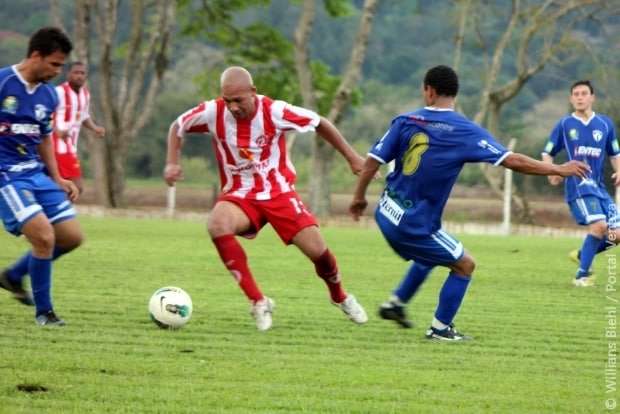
{"points": [[72, 112], [257, 182]]}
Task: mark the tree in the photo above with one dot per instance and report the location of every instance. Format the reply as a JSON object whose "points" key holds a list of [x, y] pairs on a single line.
{"points": [[539, 32], [322, 153], [129, 75]]}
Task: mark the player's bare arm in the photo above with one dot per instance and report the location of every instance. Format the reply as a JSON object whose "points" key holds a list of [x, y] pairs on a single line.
{"points": [[97, 129], [359, 203], [46, 152], [524, 164], [615, 163], [173, 171], [330, 133], [553, 179]]}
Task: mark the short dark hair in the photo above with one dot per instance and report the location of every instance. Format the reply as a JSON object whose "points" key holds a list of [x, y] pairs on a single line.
{"points": [[49, 40], [76, 63], [582, 82], [443, 79]]}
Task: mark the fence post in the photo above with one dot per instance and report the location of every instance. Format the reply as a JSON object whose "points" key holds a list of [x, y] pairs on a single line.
{"points": [[508, 194], [171, 200]]}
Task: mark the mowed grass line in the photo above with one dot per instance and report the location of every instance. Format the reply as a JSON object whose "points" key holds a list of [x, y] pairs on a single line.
{"points": [[539, 343]]}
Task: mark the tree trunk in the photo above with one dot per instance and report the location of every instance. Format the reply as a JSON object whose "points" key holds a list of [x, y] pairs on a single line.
{"points": [[322, 153]]}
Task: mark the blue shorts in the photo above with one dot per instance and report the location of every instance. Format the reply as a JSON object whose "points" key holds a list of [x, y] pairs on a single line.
{"points": [[439, 248], [590, 209], [25, 196]]}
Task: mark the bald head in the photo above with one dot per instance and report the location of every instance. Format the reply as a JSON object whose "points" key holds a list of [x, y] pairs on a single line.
{"points": [[237, 77], [238, 92]]}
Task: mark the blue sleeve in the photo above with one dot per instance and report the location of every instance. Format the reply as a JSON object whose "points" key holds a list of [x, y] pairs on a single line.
{"points": [[555, 143], [386, 147], [612, 140], [485, 148]]}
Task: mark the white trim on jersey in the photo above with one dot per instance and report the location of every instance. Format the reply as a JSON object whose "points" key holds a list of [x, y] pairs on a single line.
{"points": [[376, 157], [502, 158]]}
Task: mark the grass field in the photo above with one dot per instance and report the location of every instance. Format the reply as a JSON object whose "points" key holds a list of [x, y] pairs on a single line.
{"points": [[539, 343]]}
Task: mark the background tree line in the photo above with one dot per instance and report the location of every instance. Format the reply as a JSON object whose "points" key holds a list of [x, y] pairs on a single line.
{"points": [[358, 62]]}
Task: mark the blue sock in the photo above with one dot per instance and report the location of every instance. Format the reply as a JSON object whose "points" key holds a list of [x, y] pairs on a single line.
{"points": [[416, 275], [604, 245], [19, 269], [451, 296], [41, 279], [590, 246]]}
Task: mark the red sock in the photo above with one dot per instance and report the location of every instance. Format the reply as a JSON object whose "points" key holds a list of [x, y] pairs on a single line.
{"points": [[236, 262], [327, 270]]}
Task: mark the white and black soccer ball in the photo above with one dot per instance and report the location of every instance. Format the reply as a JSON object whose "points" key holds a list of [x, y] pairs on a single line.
{"points": [[170, 307]]}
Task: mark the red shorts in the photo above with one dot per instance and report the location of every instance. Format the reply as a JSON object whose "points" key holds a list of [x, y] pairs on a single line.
{"points": [[68, 166], [286, 213]]}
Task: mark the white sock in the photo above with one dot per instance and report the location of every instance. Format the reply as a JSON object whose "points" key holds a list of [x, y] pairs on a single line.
{"points": [[396, 300], [437, 324]]}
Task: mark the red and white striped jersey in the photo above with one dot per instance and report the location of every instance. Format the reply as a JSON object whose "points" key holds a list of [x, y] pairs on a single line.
{"points": [[251, 153], [73, 109]]}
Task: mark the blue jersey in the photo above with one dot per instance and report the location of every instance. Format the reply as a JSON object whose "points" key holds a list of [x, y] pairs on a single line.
{"points": [[429, 147], [588, 142], [25, 118]]}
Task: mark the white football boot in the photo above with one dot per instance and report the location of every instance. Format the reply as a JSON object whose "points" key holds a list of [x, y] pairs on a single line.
{"points": [[261, 311], [352, 308]]}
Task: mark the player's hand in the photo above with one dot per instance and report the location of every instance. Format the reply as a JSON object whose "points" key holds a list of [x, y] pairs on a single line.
{"points": [[172, 173], [555, 179], [70, 188], [616, 177], [357, 207], [357, 164], [99, 131], [62, 133], [574, 168]]}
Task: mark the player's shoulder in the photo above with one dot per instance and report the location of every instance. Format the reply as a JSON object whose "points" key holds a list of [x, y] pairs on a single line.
{"points": [[6, 73], [49, 91], [604, 118]]}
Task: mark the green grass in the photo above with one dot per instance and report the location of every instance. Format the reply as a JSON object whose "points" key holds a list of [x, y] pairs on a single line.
{"points": [[539, 343]]}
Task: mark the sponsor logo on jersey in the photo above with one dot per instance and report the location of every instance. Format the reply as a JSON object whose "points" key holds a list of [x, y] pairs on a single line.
{"points": [[25, 129], [573, 134], [246, 153], [597, 134], [40, 112], [483, 143], [9, 105], [391, 210], [252, 165], [584, 151]]}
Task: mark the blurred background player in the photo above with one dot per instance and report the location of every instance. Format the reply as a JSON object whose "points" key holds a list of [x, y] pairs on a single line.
{"points": [[430, 147], [257, 182], [33, 195], [72, 113], [587, 136]]}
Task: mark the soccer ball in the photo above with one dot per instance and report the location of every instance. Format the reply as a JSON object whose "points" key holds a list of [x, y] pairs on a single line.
{"points": [[170, 307]]}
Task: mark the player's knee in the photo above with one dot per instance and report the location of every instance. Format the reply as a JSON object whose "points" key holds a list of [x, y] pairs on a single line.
{"points": [[598, 229], [73, 242], [465, 266], [219, 226], [43, 241]]}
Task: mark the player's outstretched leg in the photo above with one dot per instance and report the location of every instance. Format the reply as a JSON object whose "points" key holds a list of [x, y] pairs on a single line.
{"points": [[584, 277], [327, 269], [450, 299], [12, 278], [234, 258], [394, 308]]}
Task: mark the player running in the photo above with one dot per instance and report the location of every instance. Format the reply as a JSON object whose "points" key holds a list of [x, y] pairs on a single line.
{"points": [[257, 183], [588, 137], [33, 195], [430, 147]]}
